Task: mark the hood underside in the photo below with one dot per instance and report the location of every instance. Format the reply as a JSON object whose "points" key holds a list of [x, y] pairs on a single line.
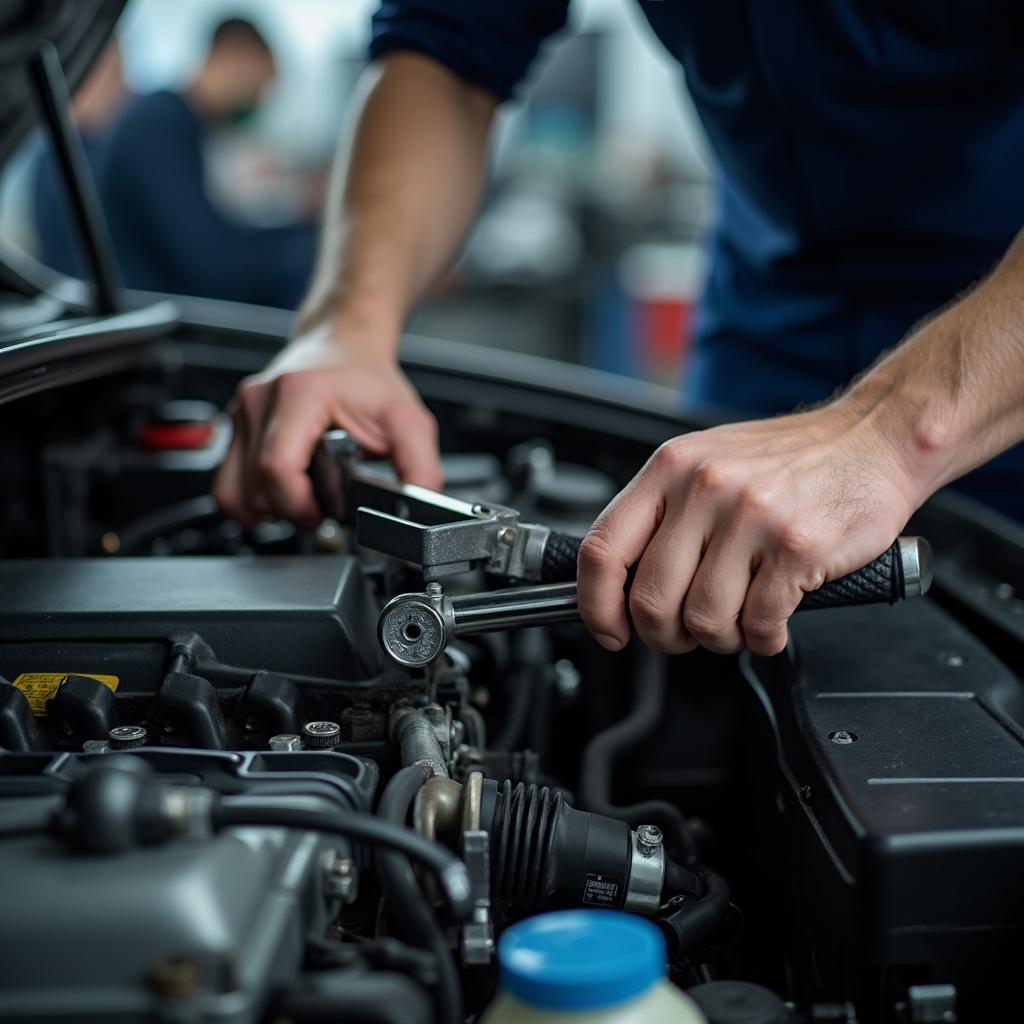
{"points": [[79, 29]]}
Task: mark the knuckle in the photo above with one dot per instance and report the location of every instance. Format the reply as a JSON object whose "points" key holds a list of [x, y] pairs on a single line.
{"points": [[270, 468], [795, 541], [700, 623], [712, 477], [595, 553], [671, 457], [754, 501], [289, 382], [760, 627], [767, 645], [646, 605]]}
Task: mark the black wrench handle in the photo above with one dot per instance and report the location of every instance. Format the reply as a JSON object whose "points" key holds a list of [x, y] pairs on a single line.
{"points": [[903, 570]]}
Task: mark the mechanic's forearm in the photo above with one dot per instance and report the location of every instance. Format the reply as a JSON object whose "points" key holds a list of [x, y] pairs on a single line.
{"points": [[952, 395], [404, 188]]}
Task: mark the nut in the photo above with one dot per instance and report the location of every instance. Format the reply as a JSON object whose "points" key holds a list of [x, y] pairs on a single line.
{"points": [[648, 838], [321, 735]]}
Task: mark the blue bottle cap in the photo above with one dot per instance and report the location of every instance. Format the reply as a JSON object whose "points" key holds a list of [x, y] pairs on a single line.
{"points": [[580, 959]]}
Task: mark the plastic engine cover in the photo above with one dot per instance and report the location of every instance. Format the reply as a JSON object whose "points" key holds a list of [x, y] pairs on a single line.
{"points": [[898, 807]]}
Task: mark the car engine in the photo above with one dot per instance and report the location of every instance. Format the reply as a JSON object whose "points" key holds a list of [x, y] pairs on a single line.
{"points": [[278, 775], [222, 800]]}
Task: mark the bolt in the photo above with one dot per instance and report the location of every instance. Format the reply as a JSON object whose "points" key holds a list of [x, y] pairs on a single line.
{"points": [[481, 510], [434, 590], [1005, 592], [127, 737], [648, 838], [340, 878], [952, 659], [321, 735], [842, 737], [506, 535], [285, 741]]}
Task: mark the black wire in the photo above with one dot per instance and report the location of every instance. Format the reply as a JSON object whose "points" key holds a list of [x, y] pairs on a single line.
{"points": [[533, 655], [319, 815], [409, 907], [601, 753]]}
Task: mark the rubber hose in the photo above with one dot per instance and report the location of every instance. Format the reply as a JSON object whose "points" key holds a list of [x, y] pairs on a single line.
{"points": [[409, 906], [601, 753], [692, 926], [316, 814]]}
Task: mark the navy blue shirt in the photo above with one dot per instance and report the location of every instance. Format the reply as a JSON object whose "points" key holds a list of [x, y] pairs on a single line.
{"points": [[870, 166], [169, 236]]}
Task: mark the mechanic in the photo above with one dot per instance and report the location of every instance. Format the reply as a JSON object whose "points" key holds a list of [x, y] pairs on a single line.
{"points": [[870, 166], [169, 235]]}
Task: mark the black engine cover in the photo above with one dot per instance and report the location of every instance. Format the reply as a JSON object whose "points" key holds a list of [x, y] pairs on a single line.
{"points": [[302, 616], [897, 810]]}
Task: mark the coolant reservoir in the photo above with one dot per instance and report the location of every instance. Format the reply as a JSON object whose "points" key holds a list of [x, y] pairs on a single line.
{"points": [[586, 967]]}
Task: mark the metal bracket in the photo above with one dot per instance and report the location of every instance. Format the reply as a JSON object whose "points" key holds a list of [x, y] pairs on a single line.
{"points": [[435, 532]]}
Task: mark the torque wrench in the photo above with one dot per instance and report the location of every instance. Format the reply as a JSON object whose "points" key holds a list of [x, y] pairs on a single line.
{"points": [[414, 629]]}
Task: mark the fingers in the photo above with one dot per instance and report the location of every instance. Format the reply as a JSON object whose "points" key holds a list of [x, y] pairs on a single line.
{"points": [[662, 579], [229, 485], [278, 422], [714, 602], [282, 454], [413, 445], [770, 601], [615, 541], [254, 397]]}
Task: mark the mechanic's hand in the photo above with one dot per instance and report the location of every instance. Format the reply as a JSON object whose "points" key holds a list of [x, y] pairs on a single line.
{"points": [[732, 526], [315, 384]]}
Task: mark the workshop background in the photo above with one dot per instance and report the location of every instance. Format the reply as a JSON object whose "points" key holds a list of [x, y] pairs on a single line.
{"points": [[587, 246]]}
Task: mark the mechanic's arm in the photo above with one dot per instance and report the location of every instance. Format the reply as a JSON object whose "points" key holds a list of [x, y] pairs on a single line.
{"points": [[731, 526], [403, 193]]}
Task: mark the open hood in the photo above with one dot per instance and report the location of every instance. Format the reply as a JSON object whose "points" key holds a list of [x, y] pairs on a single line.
{"points": [[77, 28]]}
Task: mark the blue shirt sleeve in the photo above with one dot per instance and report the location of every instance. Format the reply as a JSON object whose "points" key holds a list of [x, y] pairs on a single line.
{"points": [[489, 43]]}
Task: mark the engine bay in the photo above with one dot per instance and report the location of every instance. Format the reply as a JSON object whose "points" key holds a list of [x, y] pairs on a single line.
{"points": [[223, 801]]}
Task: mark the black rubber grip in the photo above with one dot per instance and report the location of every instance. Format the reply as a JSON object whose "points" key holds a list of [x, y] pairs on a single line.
{"points": [[879, 582], [560, 554]]}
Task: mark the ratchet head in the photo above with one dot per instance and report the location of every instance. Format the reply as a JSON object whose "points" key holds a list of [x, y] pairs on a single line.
{"points": [[413, 629]]}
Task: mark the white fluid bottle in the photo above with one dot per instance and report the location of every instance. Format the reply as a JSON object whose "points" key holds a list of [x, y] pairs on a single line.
{"points": [[586, 967]]}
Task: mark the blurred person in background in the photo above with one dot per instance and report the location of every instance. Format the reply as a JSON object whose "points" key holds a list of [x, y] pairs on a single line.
{"points": [[169, 234], [94, 107], [868, 173]]}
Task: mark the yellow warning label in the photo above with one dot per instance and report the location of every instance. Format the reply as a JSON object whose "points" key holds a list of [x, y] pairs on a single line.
{"points": [[39, 687]]}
